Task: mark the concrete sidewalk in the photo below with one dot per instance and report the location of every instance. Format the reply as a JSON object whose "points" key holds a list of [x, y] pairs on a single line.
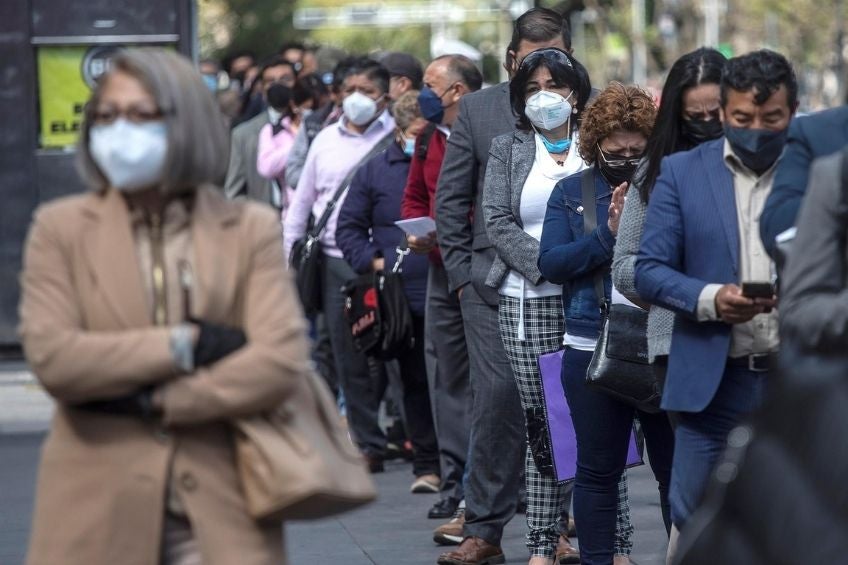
{"points": [[396, 531], [24, 406]]}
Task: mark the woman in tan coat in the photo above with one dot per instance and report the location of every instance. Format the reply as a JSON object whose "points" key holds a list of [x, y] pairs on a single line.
{"points": [[154, 311]]}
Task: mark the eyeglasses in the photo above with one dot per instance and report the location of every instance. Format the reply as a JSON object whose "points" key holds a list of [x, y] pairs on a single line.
{"points": [[106, 116], [619, 161]]}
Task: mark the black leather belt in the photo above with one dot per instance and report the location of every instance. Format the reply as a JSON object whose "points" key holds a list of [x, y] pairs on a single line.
{"points": [[756, 362]]}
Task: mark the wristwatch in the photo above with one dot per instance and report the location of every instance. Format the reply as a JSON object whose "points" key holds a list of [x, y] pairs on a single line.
{"points": [[182, 347]]}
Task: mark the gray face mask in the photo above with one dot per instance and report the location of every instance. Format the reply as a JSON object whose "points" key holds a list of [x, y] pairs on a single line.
{"points": [[131, 156]]}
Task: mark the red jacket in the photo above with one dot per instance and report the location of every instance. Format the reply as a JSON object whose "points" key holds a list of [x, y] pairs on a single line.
{"points": [[419, 196]]}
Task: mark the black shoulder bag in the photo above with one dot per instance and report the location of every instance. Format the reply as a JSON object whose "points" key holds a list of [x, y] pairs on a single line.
{"points": [[378, 312], [306, 257], [620, 364]]}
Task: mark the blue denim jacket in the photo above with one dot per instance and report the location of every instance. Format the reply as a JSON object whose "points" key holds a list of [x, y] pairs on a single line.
{"points": [[569, 257]]}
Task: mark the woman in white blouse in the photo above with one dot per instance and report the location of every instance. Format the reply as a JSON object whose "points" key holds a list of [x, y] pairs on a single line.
{"points": [[548, 94]]}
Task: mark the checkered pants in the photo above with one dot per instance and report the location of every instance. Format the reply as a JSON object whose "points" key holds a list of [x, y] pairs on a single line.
{"points": [[547, 500]]}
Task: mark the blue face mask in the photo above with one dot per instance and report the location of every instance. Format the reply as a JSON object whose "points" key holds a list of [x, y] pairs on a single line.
{"points": [[211, 82], [431, 105], [558, 146], [758, 149], [409, 146]]}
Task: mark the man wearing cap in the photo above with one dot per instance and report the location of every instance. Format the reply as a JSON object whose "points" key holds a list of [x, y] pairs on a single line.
{"points": [[405, 71]]}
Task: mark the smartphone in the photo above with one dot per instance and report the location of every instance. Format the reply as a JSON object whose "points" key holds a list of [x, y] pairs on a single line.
{"points": [[757, 289]]}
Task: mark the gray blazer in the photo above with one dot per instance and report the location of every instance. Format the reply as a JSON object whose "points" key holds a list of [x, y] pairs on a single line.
{"points": [[511, 158], [660, 320], [467, 253], [243, 180], [813, 308]]}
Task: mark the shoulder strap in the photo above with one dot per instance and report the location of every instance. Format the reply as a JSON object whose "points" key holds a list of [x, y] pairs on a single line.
{"points": [[423, 144], [590, 222], [328, 211]]}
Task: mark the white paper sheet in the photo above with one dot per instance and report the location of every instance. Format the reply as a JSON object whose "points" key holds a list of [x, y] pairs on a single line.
{"points": [[419, 227]]}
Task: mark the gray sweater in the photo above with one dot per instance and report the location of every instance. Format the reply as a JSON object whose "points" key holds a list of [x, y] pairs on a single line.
{"points": [[660, 320]]}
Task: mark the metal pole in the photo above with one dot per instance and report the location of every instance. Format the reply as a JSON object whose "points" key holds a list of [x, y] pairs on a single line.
{"points": [[640, 51], [711, 31]]}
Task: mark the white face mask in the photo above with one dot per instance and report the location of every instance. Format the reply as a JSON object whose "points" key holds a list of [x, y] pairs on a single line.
{"points": [[359, 109], [131, 156], [547, 110]]}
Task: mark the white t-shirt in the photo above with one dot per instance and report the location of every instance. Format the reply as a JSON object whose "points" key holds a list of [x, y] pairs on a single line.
{"points": [[534, 203]]}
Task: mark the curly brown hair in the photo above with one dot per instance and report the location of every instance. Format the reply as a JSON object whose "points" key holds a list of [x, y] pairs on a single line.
{"points": [[616, 108]]}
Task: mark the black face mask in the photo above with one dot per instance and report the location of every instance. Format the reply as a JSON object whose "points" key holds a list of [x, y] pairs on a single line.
{"points": [[617, 168], [758, 149], [699, 131]]}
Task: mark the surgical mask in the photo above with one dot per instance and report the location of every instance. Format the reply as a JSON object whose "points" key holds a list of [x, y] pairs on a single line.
{"points": [[547, 110], [211, 82], [432, 108], [131, 156], [409, 146], [758, 149], [617, 168], [558, 146], [700, 131], [359, 109]]}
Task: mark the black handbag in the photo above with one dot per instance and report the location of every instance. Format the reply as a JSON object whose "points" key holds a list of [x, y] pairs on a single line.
{"points": [[378, 312], [306, 257], [620, 365]]}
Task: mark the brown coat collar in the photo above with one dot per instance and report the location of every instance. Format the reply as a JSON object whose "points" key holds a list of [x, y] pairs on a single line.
{"points": [[111, 254]]}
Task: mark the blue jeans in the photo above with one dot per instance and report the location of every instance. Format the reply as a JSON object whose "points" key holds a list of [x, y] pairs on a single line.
{"points": [[603, 426], [700, 437]]}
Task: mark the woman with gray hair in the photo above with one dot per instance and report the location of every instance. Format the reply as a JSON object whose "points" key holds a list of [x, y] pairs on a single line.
{"points": [[154, 311]]}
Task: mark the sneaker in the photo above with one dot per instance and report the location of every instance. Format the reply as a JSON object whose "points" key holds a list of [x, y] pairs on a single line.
{"points": [[451, 532], [426, 483]]}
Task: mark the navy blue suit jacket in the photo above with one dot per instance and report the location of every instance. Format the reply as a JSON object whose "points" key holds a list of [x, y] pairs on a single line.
{"points": [[691, 239], [810, 137], [367, 229]]}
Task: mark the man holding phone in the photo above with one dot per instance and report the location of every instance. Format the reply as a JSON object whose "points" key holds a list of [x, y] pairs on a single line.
{"points": [[701, 256]]}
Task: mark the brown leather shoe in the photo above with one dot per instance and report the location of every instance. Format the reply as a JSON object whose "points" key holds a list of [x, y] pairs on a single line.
{"points": [[473, 551], [566, 554]]}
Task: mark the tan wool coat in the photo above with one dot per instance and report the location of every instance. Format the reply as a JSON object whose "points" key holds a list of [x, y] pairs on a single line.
{"points": [[87, 334]]}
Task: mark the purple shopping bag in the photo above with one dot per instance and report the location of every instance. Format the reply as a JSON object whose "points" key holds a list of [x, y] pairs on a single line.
{"points": [[560, 426]]}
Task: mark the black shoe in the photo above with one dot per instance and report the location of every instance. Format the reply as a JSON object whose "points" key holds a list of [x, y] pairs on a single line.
{"points": [[445, 508], [375, 463]]}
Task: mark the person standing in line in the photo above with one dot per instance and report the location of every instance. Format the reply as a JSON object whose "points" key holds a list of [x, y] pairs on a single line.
{"points": [[243, 179], [810, 137], [151, 338], [320, 118], [548, 94], [688, 116], [369, 239], [700, 247], [334, 154], [405, 73], [497, 447], [446, 80], [613, 137]]}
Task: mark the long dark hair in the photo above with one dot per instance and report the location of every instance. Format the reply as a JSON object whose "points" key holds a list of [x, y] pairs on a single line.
{"points": [[565, 70], [702, 66]]}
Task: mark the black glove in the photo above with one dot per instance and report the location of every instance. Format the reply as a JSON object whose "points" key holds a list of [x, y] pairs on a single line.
{"points": [[137, 404], [215, 342]]}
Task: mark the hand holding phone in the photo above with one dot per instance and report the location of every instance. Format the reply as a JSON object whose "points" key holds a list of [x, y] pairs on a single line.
{"points": [[757, 289]]}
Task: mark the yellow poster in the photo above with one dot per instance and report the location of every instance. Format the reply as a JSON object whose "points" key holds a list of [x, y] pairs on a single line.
{"points": [[62, 93], [66, 75]]}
